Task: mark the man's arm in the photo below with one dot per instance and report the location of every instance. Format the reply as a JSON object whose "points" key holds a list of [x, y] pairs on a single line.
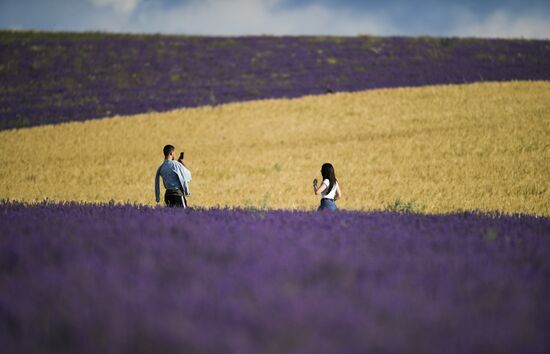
{"points": [[184, 175], [185, 172], [157, 186]]}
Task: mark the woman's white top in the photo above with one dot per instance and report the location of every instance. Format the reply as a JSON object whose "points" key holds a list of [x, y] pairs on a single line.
{"points": [[329, 194]]}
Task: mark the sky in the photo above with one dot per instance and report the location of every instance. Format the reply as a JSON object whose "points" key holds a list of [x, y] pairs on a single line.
{"points": [[440, 18]]}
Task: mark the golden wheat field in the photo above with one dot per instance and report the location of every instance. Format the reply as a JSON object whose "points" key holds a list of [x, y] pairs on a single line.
{"points": [[482, 146]]}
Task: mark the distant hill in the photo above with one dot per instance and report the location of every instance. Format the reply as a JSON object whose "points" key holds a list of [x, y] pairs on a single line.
{"points": [[57, 77]]}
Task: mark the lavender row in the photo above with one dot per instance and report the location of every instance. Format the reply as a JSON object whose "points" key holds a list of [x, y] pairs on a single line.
{"points": [[115, 279], [56, 77]]}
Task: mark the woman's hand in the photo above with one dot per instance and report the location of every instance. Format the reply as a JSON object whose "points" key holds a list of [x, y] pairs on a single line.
{"points": [[318, 189], [338, 194]]}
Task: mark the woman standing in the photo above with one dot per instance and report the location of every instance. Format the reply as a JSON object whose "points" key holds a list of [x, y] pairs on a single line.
{"points": [[329, 189]]}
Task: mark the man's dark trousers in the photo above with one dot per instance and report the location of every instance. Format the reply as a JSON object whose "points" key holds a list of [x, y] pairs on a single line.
{"points": [[174, 198]]}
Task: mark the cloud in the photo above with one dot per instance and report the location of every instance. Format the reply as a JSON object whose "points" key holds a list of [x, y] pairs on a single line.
{"points": [[276, 17], [506, 19], [502, 24], [248, 17], [120, 6]]}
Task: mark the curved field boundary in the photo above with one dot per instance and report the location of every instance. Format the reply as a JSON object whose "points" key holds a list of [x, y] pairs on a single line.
{"points": [[430, 149], [57, 77]]}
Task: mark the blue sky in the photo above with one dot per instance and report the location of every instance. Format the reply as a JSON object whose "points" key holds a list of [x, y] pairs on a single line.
{"points": [[466, 18]]}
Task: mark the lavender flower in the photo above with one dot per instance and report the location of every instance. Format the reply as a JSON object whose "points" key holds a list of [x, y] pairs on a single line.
{"points": [[56, 77], [112, 279]]}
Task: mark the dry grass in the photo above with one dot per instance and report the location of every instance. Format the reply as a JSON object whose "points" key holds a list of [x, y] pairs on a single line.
{"points": [[443, 148]]}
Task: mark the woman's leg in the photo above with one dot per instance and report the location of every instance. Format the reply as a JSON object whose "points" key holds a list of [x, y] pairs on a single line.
{"points": [[327, 204], [321, 206]]}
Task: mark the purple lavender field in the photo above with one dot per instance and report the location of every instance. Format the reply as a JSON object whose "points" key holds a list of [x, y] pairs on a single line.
{"points": [[56, 77], [124, 279]]}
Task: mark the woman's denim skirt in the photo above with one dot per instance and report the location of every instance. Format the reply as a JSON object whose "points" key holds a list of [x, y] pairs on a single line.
{"points": [[327, 204]]}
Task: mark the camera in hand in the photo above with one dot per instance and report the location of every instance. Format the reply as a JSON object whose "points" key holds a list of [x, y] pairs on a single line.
{"points": [[181, 156]]}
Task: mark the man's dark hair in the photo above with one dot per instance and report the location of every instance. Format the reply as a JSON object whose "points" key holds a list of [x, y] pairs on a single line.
{"points": [[168, 149]]}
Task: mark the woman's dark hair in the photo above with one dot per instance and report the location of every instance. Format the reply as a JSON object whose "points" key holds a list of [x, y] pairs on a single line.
{"points": [[327, 171], [167, 150]]}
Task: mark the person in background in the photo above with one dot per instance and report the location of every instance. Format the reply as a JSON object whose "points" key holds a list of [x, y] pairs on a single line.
{"points": [[329, 189], [175, 177]]}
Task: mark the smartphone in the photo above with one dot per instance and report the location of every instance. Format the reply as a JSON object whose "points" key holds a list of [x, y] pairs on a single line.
{"points": [[181, 156]]}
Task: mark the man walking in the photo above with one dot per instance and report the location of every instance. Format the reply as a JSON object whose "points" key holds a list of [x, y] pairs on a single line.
{"points": [[175, 177]]}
